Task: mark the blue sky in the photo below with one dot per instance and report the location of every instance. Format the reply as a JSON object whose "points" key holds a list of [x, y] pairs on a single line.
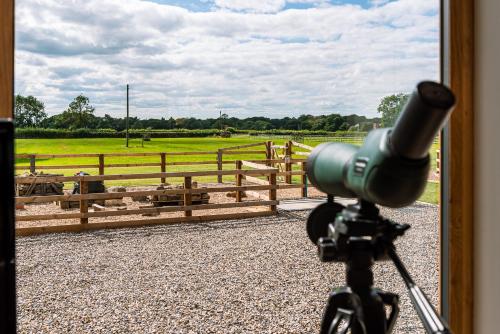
{"points": [[271, 58]]}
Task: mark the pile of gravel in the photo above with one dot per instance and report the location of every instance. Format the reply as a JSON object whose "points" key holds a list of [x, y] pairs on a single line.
{"points": [[244, 276]]}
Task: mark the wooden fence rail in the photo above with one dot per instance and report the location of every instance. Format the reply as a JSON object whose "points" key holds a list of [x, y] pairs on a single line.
{"points": [[163, 163], [84, 215]]}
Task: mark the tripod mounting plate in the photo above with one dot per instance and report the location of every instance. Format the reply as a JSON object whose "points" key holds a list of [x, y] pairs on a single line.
{"points": [[358, 227]]}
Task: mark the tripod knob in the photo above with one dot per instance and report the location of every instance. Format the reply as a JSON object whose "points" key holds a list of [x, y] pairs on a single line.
{"points": [[327, 249]]}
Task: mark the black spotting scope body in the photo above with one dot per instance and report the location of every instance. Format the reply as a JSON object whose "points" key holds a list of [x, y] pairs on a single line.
{"points": [[392, 165]]}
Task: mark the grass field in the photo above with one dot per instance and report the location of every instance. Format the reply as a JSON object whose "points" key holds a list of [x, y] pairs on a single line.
{"points": [[116, 145]]}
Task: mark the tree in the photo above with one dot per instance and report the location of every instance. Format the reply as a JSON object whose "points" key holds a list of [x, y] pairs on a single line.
{"points": [[80, 113], [390, 107], [28, 112]]}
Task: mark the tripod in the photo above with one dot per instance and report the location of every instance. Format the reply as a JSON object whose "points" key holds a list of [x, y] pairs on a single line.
{"points": [[358, 237]]}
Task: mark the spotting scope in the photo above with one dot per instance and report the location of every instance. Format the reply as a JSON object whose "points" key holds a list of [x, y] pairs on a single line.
{"points": [[392, 165]]}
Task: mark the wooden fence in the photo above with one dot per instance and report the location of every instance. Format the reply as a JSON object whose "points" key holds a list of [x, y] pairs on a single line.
{"points": [[271, 157], [260, 174], [163, 162], [84, 215]]}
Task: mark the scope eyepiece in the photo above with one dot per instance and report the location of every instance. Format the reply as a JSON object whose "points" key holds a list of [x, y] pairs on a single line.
{"points": [[421, 119]]}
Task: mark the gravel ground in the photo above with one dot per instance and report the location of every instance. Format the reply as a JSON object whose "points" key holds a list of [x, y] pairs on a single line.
{"points": [[246, 276]]}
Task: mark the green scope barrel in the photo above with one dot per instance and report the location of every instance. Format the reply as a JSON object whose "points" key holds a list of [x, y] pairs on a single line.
{"points": [[392, 165]]}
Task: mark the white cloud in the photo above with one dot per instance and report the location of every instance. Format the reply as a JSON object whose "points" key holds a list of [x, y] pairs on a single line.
{"points": [[340, 58]]}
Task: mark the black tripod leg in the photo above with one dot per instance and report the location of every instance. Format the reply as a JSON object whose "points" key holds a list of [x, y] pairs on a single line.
{"points": [[392, 300], [343, 317], [343, 306]]}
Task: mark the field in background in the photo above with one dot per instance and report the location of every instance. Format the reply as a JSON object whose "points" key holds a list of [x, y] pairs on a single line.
{"points": [[117, 145]]}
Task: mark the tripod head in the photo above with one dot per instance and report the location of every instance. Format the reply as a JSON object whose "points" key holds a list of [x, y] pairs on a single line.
{"points": [[358, 235]]}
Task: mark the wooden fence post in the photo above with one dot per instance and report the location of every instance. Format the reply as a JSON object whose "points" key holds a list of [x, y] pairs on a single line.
{"points": [[304, 180], [187, 196], [32, 164], [219, 164], [272, 191], [163, 166], [269, 154], [84, 204], [101, 164], [239, 178], [288, 164]]}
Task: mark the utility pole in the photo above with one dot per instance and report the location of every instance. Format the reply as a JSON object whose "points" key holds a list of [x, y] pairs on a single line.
{"points": [[126, 120], [220, 120]]}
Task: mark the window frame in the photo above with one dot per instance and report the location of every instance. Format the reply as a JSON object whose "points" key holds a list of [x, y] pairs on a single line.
{"points": [[457, 54]]}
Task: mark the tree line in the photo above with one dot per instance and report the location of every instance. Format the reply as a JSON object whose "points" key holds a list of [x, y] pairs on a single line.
{"points": [[30, 113]]}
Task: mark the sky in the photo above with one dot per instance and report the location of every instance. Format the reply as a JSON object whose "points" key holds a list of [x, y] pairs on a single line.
{"points": [[271, 58]]}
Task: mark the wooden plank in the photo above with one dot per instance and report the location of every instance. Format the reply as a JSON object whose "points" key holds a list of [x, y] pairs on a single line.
{"points": [[290, 173], [32, 164], [96, 155], [189, 163], [116, 195], [187, 196], [142, 164], [182, 208], [244, 152], [27, 231], [101, 164], [6, 58], [163, 166], [58, 167], [253, 165], [242, 146], [164, 209], [289, 186], [239, 178], [219, 164], [175, 163], [84, 204], [50, 216], [145, 154], [460, 280], [192, 153], [29, 179], [304, 146], [49, 156], [272, 192], [288, 165], [303, 180], [256, 180], [279, 147], [269, 154]]}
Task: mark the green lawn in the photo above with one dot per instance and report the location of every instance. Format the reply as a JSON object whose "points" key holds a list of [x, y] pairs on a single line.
{"points": [[116, 145]]}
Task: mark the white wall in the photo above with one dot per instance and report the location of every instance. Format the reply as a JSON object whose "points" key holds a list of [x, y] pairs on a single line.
{"points": [[487, 167]]}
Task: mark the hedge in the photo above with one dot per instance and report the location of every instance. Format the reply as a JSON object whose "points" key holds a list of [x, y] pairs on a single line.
{"points": [[27, 133]]}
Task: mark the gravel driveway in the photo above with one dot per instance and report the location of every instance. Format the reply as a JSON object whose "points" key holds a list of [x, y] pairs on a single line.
{"points": [[249, 276]]}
